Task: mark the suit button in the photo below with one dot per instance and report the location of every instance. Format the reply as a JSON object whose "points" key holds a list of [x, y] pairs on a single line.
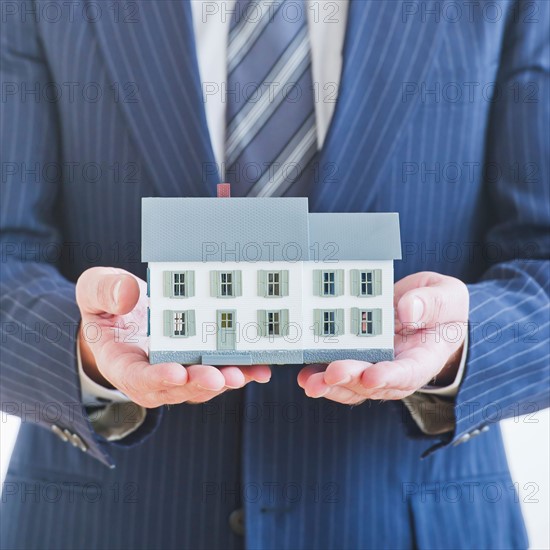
{"points": [[69, 437], [75, 440], [59, 433], [462, 439], [236, 521]]}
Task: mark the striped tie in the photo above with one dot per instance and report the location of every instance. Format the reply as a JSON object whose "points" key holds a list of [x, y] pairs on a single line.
{"points": [[271, 137]]}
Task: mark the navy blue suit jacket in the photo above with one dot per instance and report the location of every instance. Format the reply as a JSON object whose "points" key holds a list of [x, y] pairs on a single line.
{"points": [[441, 116]]}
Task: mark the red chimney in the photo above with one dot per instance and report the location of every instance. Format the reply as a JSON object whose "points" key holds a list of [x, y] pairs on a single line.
{"points": [[224, 190]]}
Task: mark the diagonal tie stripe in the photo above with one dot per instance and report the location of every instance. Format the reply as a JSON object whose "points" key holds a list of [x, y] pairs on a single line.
{"points": [[252, 117], [243, 36], [291, 163], [272, 128]]}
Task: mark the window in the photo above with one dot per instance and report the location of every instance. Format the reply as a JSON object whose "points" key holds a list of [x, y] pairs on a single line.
{"points": [[273, 323], [179, 284], [366, 322], [367, 325], [328, 322], [225, 284], [179, 324], [366, 282], [328, 283], [272, 284], [226, 320]]}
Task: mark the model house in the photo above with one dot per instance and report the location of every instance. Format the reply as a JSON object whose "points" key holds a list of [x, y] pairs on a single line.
{"points": [[263, 281]]}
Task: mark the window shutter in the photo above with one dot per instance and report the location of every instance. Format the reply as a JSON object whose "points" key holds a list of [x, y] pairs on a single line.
{"points": [[284, 282], [190, 322], [237, 283], [355, 323], [148, 283], [262, 322], [214, 284], [317, 282], [168, 322], [377, 276], [168, 284], [317, 322], [339, 322], [355, 288], [189, 283], [148, 322], [262, 283], [377, 321], [283, 320], [339, 282]]}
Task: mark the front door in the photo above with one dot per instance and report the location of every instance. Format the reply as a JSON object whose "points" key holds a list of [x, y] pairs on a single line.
{"points": [[226, 320]]}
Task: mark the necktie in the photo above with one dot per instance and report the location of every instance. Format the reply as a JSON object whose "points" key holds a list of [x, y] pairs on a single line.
{"points": [[271, 138]]}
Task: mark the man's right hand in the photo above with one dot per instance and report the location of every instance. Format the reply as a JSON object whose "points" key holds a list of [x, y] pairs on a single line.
{"points": [[113, 347]]}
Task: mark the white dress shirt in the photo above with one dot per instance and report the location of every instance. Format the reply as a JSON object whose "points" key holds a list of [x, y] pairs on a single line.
{"points": [[211, 19]]}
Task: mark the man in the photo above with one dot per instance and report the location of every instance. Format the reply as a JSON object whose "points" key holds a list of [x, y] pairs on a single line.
{"points": [[441, 115]]}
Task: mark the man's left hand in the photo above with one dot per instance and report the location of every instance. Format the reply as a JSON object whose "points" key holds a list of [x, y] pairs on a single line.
{"points": [[431, 319]]}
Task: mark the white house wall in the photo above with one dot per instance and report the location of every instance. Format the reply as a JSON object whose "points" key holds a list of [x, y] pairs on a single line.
{"points": [[205, 306], [346, 302], [300, 302]]}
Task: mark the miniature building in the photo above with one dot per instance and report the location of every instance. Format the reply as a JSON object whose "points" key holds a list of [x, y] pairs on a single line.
{"points": [[262, 281]]}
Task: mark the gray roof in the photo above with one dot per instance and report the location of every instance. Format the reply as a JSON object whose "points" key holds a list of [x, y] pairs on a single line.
{"points": [[356, 235], [212, 229], [261, 229]]}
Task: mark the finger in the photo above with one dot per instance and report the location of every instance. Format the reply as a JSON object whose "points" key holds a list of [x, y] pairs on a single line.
{"points": [[306, 372], [205, 378], [411, 370], [127, 367], [316, 388], [413, 281], [315, 385], [107, 290], [344, 381], [129, 370], [239, 376], [345, 373], [205, 382], [445, 300], [234, 377], [257, 373]]}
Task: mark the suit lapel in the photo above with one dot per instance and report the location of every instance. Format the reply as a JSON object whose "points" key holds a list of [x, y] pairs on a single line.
{"points": [[388, 44], [151, 58]]}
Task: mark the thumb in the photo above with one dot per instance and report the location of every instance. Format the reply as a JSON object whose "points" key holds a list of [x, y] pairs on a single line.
{"points": [[445, 300], [107, 290]]}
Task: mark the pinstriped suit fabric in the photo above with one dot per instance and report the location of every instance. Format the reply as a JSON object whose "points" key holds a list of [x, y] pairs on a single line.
{"points": [[309, 473]]}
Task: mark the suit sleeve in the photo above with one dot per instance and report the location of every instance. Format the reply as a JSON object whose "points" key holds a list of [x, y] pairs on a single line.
{"points": [[507, 367], [39, 315]]}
